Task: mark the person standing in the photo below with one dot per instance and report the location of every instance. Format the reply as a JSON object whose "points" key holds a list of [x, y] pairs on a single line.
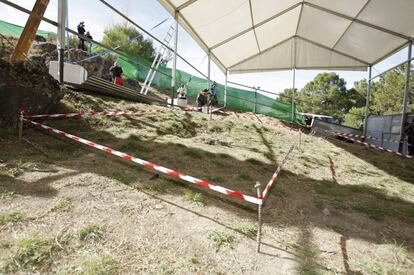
{"points": [[409, 131], [213, 95], [202, 99], [116, 72], [88, 35], [81, 31], [182, 92]]}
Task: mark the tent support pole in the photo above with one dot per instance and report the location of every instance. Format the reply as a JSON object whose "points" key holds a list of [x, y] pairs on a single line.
{"points": [[208, 70], [368, 96], [62, 6], [174, 67], [406, 99], [225, 88], [255, 100], [293, 95]]}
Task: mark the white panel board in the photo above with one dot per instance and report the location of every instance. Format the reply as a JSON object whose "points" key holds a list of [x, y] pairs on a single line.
{"points": [[314, 56], [347, 7], [234, 51], [313, 26], [276, 58], [273, 7], [367, 43], [73, 74], [227, 19], [278, 29], [396, 15]]}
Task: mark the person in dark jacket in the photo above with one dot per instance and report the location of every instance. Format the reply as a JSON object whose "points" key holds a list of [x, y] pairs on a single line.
{"points": [[88, 35], [202, 99], [213, 95], [116, 73], [81, 31], [409, 131]]}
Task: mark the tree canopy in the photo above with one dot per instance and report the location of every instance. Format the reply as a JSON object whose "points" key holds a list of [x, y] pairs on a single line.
{"points": [[119, 34], [327, 95]]}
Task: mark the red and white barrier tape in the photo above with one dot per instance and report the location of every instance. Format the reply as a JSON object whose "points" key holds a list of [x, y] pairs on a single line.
{"points": [[372, 145], [276, 174], [371, 137], [88, 114], [152, 166]]}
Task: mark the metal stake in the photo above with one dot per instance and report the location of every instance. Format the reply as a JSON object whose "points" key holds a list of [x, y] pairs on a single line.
{"points": [[300, 138], [259, 217], [368, 95], [405, 99], [174, 66], [62, 5], [225, 88], [255, 100]]}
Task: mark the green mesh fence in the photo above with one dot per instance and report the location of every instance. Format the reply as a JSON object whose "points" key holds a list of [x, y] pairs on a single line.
{"points": [[15, 30], [237, 99]]}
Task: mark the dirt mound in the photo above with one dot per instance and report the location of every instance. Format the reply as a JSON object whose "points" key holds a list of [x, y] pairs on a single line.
{"points": [[28, 85]]}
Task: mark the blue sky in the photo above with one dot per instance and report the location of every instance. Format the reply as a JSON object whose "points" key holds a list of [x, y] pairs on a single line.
{"points": [[148, 13]]}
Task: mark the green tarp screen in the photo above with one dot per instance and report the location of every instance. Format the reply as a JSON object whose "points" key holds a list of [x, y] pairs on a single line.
{"points": [[15, 30], [237, 99]]}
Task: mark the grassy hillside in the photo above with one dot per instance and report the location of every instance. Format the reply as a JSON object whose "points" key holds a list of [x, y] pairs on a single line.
{"points": [[65, 208]]}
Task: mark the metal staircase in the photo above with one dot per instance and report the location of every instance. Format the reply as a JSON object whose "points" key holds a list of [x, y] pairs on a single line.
{"points": [[163, 52]]}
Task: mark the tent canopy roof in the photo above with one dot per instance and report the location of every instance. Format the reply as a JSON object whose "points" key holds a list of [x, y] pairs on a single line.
{"points": [[267, 35]]}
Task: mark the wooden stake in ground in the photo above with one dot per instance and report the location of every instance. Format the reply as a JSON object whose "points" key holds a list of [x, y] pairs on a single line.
{"points": [[259, 217], [29, 31]]}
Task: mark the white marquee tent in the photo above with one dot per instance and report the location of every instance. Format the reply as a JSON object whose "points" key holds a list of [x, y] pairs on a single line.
{"points": [[267, 35]]}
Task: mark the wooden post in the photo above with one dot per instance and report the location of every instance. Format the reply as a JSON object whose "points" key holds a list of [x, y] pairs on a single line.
{"points": [[29, 31]]}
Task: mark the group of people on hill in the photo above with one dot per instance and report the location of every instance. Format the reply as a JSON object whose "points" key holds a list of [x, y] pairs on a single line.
{"points": [[115, 70], [207, 97], [82, 31]]}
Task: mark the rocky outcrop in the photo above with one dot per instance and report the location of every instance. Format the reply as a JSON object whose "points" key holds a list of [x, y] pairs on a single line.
{"points": [[27, 85]]}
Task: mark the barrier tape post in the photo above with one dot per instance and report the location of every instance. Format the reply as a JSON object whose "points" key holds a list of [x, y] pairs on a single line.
{"points": [[300, 138], [259, 218], [21, 117]]}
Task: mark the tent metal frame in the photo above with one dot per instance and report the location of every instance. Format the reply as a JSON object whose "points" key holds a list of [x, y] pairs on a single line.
{"points": [[353, 20]]}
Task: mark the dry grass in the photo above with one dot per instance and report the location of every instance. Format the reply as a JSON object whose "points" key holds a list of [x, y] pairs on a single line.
{"points": [[336, 208]]}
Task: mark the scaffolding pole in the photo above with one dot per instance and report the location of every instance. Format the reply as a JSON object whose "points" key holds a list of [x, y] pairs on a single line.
{"points": [[62, 5], [208, 70], [367, 100], [225, 88], [406, 99], [293, 94], [174, 68]]}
